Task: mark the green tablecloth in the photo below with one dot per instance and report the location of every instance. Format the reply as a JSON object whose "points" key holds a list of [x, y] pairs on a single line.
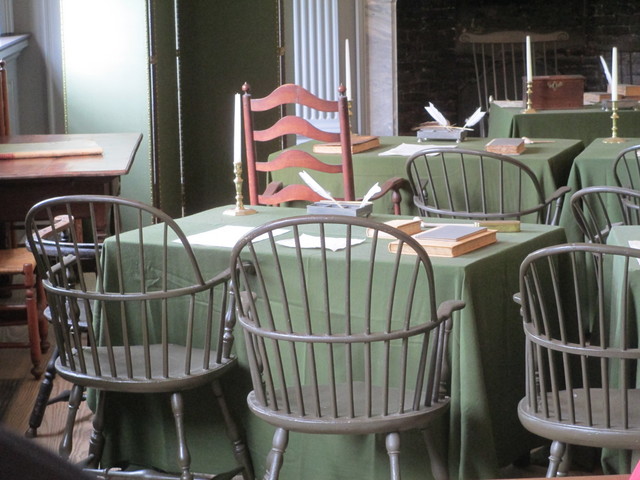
{"points": [[593, 167], [550, 162], [481, 433], [584, 124]]}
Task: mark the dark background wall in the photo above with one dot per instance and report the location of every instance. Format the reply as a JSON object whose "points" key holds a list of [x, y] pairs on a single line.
{"points": [[433, 66]]}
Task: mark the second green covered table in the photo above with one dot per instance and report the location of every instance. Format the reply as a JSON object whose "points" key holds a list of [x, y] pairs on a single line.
{"points": [[551, 163], [584, 124]]}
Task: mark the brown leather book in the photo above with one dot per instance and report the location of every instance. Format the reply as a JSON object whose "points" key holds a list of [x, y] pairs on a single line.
{"points": [[505, 146], [359, 143]]}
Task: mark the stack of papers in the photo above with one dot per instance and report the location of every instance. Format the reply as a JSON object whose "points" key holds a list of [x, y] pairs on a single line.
{"points": [[408, 149], [226, 236]]}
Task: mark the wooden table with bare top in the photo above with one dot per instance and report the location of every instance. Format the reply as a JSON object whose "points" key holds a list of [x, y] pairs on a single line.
{"points": [[26, 181]]}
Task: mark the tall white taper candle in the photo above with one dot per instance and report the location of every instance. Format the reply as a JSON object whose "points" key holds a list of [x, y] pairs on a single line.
{"points": [[237, 131], [614, 74], [529, 62], [347, 69]]}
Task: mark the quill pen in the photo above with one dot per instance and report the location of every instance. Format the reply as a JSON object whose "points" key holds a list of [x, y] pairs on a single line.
{"points": [[316, 187], [605, 67], [372, 191], [475, 118], [437, 116]]}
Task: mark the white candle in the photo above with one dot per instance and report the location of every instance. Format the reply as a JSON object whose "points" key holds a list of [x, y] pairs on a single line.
{"points": [[237, 131], [614, 74], [529, 62], [347, 68]]}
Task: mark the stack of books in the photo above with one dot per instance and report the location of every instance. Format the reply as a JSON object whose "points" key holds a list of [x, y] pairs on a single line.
{"points": [[449, 240]]}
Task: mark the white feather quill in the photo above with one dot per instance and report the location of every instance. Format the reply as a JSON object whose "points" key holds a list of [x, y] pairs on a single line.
{"points": [[372, 191], [605, 67], [475, 118], [316, 187], [437, 116]]}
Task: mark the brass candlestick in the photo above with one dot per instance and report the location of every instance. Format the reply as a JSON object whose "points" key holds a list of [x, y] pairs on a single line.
{"points": [[529, 108], [239, 210], [350, 110], [614, 125]]}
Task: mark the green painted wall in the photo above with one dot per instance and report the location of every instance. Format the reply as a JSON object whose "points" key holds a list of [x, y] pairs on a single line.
{"points": [[106, 77], [223, 43]]}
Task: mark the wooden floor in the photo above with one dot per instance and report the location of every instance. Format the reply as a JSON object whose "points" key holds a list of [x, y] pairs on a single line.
{"points": [[16, 363]]}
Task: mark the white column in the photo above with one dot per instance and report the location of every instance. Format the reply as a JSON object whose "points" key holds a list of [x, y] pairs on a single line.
{"points": [[381, 67], [317, 52]]}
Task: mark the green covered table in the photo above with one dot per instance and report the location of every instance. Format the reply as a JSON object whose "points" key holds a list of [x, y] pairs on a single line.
{"points": [[593, 167], [481, 433], [584, 124], [551, 163]]}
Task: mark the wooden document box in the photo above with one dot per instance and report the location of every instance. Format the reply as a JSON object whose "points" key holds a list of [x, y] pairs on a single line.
{"points": [[557, 92]]}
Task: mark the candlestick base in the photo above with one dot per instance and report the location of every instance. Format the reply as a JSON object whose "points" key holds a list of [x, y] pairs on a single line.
{"points": [[239, 211], [237, 180], [529, 108], [614, 140], [614, 125]]}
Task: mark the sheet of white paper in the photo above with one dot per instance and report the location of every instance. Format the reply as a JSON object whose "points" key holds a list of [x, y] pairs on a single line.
{"points": [[311, 241], [225, 236], [407, 149]]}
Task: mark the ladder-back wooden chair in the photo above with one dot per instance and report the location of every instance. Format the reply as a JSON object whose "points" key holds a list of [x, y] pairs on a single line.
{"points": [[147, 333], [475, 185], [281, 99], [598, 209], [582, 354], [342, 342], [5, 125], [23, 304], [23, 301], [500, 64]]}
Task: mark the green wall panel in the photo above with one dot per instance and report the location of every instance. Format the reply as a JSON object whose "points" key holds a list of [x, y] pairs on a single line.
{"points": [[223, 44], [106, 76]]}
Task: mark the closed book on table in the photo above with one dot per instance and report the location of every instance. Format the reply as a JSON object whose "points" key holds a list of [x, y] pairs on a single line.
{"points": [[359, 143], [408, 226], [505, 146], [627, 90], [595, 97], [449, 240]]}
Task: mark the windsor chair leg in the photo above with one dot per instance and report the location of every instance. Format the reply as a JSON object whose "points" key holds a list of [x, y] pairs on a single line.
{"points": [[555, 457], [275, 457], [240, 451], [184, 457], [392, 443], [35, 420], [66, 444]]}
